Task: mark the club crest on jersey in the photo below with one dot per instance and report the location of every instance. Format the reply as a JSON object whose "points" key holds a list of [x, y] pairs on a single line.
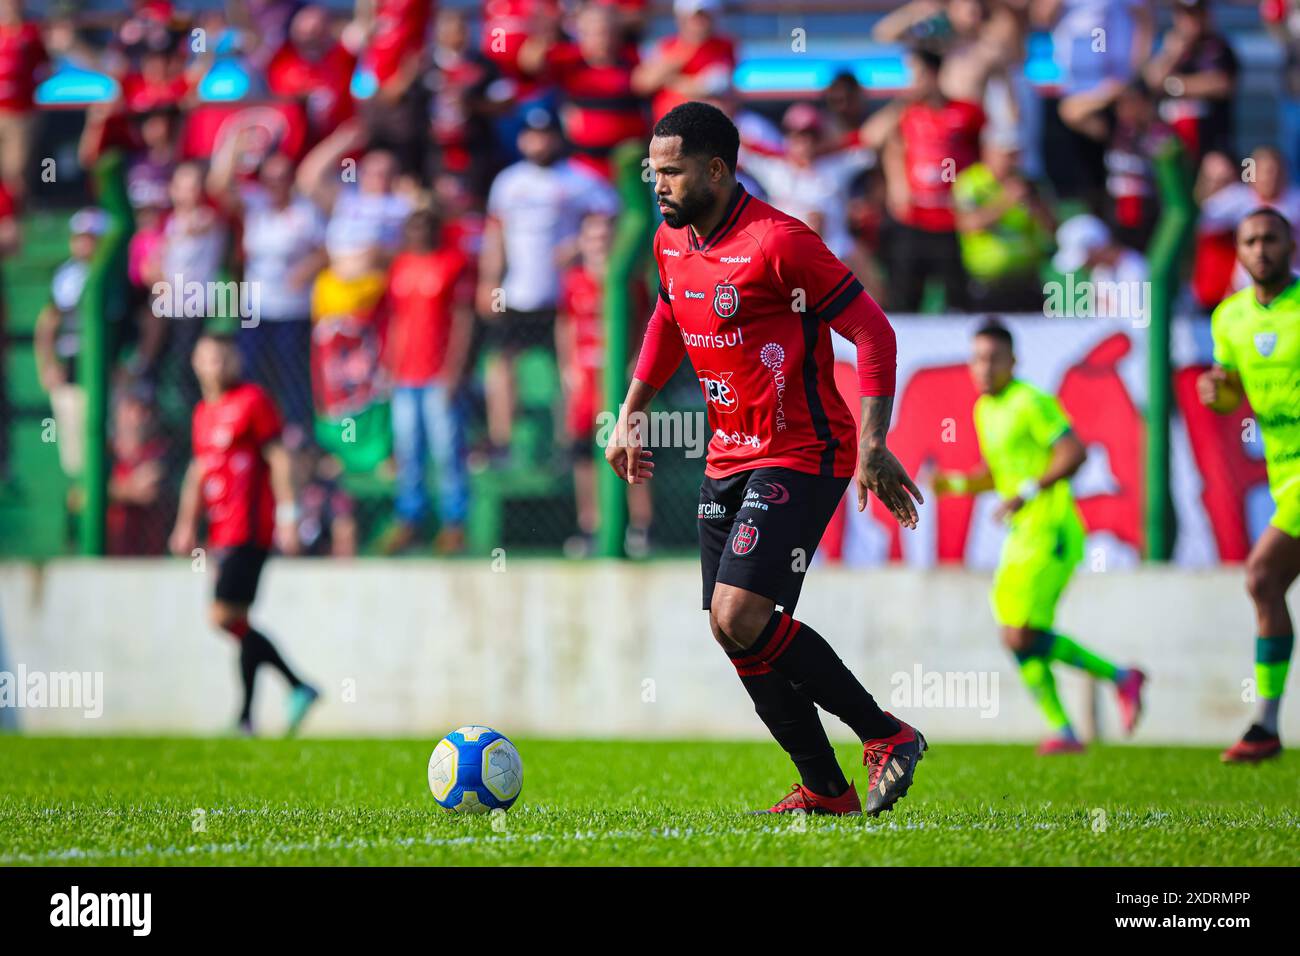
{"points": [[719, 391], [1265, 343], [746, 539], [726, 300]]}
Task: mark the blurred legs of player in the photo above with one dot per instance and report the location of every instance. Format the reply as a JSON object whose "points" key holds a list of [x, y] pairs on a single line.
{"points": [[758, 532], [239, 570], [1026, 589], [1272, 567]]}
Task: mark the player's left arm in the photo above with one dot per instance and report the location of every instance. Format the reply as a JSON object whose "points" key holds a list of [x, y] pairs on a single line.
{"points": [[280, 463], [1068, 456], [802, 265]]}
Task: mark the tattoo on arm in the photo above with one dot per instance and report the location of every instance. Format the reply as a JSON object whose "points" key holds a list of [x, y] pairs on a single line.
{"points": [[876, 411]]}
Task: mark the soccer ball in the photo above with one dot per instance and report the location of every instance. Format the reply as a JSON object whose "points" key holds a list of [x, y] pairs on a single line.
{"points": [[475, 769]]}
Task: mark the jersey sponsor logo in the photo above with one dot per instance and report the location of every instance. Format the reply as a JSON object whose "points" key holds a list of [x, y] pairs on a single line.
{"points": [[701, 340], [671, 252], [711, 509], [734, 260], [772, 356], [719, 391], [1265, 343], [691, 294], [738, 438], [726, 300], [745, 540]]}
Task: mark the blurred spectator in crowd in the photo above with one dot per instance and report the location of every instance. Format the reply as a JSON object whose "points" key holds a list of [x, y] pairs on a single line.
{"points": [[465, 99], [56, 339], [139, 504], [23, 63], [580, 347], [1097, 40], [327, 520], [956, 29], [365, 208], [157, 76], [1005, 227], [1094, 42], [263, 26], [594, 76], [397, 115], [1084, 243], [315, 65], [1197, 72], [1282, 17], [194, 247], [809, 182], [693, 64], [930, 141], [10, 243], [844, 104], [283, 241], [1122, 115], [1227, 194], [427, 344], [534, 210]]}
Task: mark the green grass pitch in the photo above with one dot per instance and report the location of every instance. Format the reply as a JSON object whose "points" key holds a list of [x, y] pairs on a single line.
{"points": [[186, 801]]}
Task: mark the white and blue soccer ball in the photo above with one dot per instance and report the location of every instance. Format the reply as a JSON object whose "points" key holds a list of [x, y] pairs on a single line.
{"points": [[475, 769]]}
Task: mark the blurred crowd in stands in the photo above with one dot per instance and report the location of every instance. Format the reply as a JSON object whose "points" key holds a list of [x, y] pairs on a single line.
{"points": [[426, 196]]}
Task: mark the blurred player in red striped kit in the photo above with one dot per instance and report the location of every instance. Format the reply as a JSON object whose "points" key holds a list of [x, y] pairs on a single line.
{"points": [[239, 479]]}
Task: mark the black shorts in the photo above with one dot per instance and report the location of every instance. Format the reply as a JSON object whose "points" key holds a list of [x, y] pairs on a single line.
{"points": [[760, 528], [517, 329], [238, 571]]}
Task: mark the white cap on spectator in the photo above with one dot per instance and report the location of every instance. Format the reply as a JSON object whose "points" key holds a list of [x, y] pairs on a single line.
{"points": [[684, 8], [1076, 240], [88, 222]]}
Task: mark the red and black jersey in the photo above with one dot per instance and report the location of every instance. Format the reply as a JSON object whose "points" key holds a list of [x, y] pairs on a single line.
{"points": [[753, 302], [235, 480]]}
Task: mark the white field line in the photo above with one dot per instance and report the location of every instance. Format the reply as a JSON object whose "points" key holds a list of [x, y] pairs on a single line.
{"points": [[198, 850]]}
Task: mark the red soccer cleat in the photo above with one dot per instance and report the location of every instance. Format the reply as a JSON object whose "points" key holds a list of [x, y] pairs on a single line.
{"points": [[1258, 744], [1129, 691], [1054, 746], [802, 799], [891, 763]]}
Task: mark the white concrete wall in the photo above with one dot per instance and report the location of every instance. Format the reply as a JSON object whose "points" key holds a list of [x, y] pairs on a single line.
{"points": [[554, 648]]}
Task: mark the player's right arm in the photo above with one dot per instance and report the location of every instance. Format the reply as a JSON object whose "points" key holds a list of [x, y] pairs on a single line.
{"points": [[185, 534], [1219, 389], [662, 350]]}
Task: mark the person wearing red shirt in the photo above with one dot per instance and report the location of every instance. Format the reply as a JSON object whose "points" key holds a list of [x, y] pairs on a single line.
{"points": [[580, 350], [750, 295], [23, 62], [313, 65], [429, 322], [398, 114], [600, 109], [240, 479], [932, 139], [696, 63]]}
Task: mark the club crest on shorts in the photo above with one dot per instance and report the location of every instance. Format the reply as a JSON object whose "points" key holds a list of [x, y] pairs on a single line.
{"points": [[745, 540], [1265, 343], [726, 300]]}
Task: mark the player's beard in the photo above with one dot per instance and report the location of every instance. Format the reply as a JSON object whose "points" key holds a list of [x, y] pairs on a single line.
{"points": [[689, 210]]}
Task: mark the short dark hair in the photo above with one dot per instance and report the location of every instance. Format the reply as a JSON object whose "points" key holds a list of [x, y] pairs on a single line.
{"points": [[219, 332], [994, 329], [928, 56], [705, 131], [1268, 211]]}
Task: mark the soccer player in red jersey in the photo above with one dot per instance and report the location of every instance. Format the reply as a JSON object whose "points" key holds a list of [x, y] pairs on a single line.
{"points": [[240, 479], [750, 295]]}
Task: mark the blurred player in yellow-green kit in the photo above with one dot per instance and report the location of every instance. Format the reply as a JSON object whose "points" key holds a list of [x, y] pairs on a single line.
{"points": [[1030, 453], [1257, 353]]}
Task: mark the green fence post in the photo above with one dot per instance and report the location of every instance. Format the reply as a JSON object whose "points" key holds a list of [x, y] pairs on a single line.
{"points": [[632, 238], [104, 285], [1165, 255]]}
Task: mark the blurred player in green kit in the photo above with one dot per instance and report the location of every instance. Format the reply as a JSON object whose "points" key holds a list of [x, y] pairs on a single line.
{"points": [[1030, 454], [1257, 353]]}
